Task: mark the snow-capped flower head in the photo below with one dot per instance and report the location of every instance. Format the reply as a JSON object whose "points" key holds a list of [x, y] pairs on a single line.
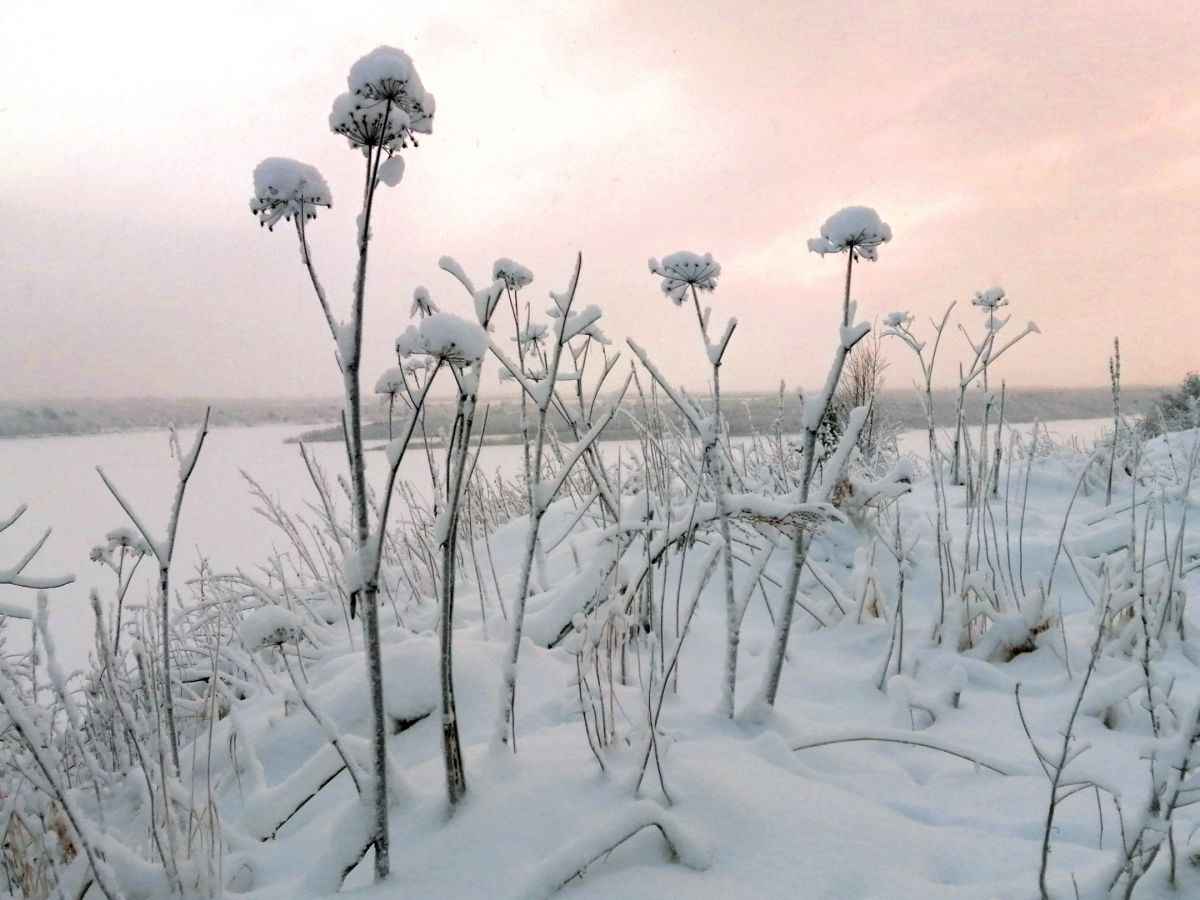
{"points": [[533, 333], [684, 270], [124, 537], [284, 188], [418, 365], [386, 105], [422, 304], [897, 319], [514, 275], [989, 300], [390, 382], [444, 337], [857, 229]]}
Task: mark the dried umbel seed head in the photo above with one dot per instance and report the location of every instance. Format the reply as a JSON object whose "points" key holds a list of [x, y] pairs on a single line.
{"points": [[855, 229], [683, 270], [285, 188]]}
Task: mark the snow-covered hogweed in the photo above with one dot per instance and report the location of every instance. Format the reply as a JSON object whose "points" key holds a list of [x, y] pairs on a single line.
{"points": [[898, 319], [990, 300], [683, 270], [391, 382], [514, 275], [386, 105], [857, 229], [444, 337], [285, 188]]}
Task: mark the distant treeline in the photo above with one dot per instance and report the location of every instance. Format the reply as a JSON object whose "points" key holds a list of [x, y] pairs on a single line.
{"points": [[745, 413], [89, 416], [759, 413]]}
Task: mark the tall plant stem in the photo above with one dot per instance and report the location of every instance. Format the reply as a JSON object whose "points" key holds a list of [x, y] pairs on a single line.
{"points": [[802, 540]]}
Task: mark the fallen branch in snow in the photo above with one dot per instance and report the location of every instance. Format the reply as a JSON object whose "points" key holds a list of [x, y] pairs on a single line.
{"points": [[573, 859], [903, 737]]}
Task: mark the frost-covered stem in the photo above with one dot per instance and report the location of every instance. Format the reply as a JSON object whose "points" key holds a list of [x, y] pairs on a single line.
{"points": [[397, 456], [540, 499], [800, 545], [456, 780], [13, 574], [369, 588], [1114, 373], [163, 551], [1065, 754], [716, 466], [318, 288], [39, 750]]}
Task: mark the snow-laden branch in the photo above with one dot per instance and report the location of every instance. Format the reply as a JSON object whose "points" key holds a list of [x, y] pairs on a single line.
{"points": [[14, 574]]}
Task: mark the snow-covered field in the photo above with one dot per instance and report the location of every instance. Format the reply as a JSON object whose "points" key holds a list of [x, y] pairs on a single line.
{"points": [[892, 765]]}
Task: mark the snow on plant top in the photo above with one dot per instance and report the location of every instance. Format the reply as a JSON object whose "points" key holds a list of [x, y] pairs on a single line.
{"points": [[514, 275], [269, 626], [386, 104], [855, 228], [684, 269], [992, 298], [445, 337], [422, 304], [284, 188], [390, 382]]}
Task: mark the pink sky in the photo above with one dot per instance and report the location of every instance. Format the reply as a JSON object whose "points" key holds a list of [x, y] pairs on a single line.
{"points": [[1050, 149]]}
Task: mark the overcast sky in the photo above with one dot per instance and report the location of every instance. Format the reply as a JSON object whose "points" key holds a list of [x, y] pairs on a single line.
{"points": [[1052, 149]]}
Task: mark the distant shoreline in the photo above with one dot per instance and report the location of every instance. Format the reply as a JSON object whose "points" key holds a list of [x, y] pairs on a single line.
{"points": [[317, 419]]}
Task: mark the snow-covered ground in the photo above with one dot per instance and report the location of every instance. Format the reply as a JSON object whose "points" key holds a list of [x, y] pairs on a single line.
{"points": [[892, 765]]}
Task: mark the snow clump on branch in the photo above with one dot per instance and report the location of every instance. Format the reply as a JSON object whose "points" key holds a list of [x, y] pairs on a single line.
{"points": [[284, 188], [422, 304], [386, 106], [897, 319], [683, 270], [855, 228], [445, 337]]}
